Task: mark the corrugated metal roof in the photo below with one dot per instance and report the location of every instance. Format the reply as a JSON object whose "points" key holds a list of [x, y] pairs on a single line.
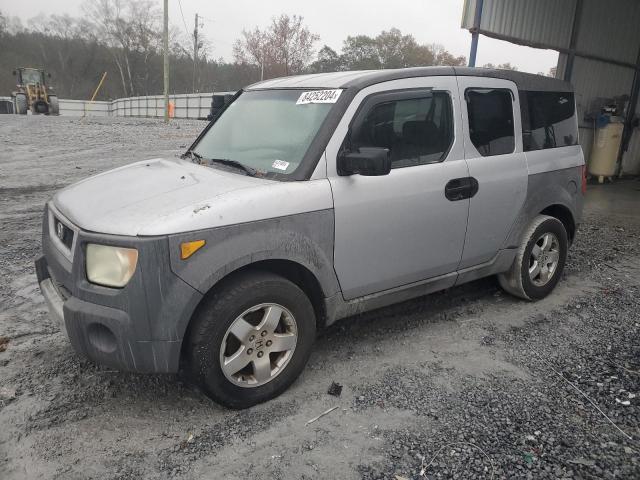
{"points": [[610, 29], [544, 23]]}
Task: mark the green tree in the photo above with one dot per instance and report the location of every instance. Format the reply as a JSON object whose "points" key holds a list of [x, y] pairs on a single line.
{"points": [[392, 49], [327, 60], [400, 51], [361, 53]]}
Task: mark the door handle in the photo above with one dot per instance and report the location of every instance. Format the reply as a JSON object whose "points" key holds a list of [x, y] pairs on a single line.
{"points": [[460, 188]]}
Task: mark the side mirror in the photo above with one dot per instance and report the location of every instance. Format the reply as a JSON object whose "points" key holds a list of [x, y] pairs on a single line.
{"points": [[369, 161], [15, 73]]}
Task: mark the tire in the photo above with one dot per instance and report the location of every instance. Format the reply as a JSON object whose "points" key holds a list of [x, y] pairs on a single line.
{"points": [[40, 107], [21, 104], [212, 343], [534, 285], [54, 105]]}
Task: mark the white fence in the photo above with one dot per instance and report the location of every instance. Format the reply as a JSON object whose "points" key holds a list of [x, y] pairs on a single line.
{"points": [[192, 105], [79, 108]]}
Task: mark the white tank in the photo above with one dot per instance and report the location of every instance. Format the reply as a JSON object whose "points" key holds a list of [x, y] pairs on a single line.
{"points": [[604, 153]]}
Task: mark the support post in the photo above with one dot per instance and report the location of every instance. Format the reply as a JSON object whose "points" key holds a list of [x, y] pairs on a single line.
{"points": [[195, 54], [166, 60], [571, 56], [630, 116], [475, 33]]}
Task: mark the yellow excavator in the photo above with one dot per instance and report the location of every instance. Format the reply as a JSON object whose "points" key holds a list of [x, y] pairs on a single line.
{"points": [[33, 93]]}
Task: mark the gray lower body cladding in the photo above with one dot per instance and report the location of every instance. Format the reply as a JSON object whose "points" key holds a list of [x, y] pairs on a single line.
{"points": [[305, 239], [138, 327], [141, 326], [557, 187]]}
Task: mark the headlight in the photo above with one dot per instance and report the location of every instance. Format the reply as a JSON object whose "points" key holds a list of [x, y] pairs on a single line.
{"points": [[110, 266]]}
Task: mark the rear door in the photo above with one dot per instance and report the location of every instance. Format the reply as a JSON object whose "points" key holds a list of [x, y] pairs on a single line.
{"points": [[493, 150], [397, 229]]}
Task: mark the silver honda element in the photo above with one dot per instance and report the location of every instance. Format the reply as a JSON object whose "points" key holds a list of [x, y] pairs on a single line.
{"points": [[309, 199]]}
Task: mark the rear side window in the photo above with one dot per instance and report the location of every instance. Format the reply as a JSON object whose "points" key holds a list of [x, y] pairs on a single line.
{"points": [[548, 120], [490, 114], [417, 131]]}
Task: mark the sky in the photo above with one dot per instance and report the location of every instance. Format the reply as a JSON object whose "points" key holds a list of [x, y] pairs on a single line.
{"points": [[429, 21]]}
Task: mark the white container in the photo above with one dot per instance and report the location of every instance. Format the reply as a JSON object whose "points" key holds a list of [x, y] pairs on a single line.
{"points": [[604, 153]]}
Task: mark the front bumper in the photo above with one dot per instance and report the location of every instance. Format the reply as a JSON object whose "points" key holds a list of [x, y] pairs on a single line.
{"points": [[137, 328]]}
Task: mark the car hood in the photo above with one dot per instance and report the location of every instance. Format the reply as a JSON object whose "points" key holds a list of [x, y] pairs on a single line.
{"points": [[165, 196], [125, 200]]}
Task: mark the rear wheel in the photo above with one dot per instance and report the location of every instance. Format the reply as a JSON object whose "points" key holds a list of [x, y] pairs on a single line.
{"points": [[21, 103], [540, 260], [54, 106], [251, 339]]}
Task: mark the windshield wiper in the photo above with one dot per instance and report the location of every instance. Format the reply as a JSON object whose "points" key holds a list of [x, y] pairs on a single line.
{"points": [[195, 157], [235, 164]]}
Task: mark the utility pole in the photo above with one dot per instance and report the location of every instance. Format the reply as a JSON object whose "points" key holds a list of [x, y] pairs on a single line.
{"points": [[166, 60], [195, 54]]}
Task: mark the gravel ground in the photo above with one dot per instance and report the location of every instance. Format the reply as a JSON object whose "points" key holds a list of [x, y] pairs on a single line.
{"points": [[467, 383]]}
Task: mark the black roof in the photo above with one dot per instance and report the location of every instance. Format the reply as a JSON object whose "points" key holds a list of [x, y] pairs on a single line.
{"points": [[361, 79]]}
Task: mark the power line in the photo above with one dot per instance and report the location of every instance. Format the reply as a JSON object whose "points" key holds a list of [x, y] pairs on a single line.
{"points": [[183, 20]]}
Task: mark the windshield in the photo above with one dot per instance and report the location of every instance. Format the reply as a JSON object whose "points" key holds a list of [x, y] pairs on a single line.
{"points": [[30, 76], [267, 130]]}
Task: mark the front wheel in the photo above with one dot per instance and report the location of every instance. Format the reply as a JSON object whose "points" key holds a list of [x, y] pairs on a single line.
{"points": [[251, 339], [539, 261], [21, 104]]}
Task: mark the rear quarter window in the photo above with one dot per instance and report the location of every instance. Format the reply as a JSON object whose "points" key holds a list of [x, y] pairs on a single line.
{"points": [[548, 120]]}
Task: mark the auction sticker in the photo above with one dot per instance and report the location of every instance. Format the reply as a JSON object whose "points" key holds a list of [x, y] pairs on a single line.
{"points": [[280, 164], [319, 96]]}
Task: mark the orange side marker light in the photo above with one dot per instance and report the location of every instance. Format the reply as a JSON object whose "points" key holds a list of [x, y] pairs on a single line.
{"points": [[189, 248]]}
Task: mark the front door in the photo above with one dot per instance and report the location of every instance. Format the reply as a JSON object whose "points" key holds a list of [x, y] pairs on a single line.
{"points": [[401, 228]]}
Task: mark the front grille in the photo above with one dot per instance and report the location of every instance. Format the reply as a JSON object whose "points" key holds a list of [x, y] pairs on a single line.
{"points": [[64, 233]]}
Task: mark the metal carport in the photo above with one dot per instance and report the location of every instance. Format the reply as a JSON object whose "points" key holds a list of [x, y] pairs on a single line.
{"points": [[599, 52]]}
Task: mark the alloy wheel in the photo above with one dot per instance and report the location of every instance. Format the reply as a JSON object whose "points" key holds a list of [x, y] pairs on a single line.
{"points": [[258, 345]]}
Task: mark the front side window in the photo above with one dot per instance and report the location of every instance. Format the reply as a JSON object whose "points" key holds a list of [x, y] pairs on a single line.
{"points": [[490, 113], [417, 130], [549, 120], [268, 131]]}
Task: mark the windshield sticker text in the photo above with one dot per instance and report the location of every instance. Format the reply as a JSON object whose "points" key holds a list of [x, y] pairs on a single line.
{"points": [[280, 164], [319, 96]]}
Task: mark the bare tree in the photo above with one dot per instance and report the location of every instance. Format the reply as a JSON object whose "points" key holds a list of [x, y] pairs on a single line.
{"points": [[291, 43], [254, 48], [10, 25], [501, 66], [284, 48], [130, 28], [443, 57]]}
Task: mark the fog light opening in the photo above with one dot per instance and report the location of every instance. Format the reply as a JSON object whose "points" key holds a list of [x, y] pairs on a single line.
{"points": [[101, 338]]}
